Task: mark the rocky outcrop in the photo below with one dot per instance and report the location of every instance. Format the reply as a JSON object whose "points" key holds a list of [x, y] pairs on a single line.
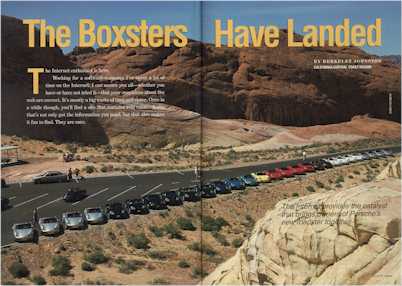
{"points": [[332, 238], [275, 85], [393, 170]]}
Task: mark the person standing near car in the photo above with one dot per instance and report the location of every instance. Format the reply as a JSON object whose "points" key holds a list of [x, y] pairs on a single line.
{"points": [[304, 155], [77, 174], [70, 174], [35, 218]]}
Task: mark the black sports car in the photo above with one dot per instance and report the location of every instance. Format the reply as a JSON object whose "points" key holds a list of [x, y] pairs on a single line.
{"points": [[74, 195], [117, 210], [318, 165], [208, 191], [222, 187], [191, 194], [155, 201], [137, 206], [173, 198]]}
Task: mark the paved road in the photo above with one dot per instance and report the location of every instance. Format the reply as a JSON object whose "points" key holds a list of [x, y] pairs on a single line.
{"points": [[101, 190]]}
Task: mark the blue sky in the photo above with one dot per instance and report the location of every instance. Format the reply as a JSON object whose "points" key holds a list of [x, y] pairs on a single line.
{"points": [[245, 13]]}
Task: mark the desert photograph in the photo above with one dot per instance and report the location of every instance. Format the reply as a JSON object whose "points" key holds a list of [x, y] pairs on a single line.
{"points": [[162, 157]]}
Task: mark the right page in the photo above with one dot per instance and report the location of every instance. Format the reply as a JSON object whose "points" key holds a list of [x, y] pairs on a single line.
{"points": [[301, 140]]}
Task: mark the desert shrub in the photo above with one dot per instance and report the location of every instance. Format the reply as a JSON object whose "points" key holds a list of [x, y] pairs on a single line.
{"points": [[38, 280], [183, 264], [198, 272], [185, 224], [159, 281], [220, 238], [72, 148], [128, 267], [89, 169], [103, 169], [331, 150], [249, 221], [339, 179], [18, 270], [86, 266], [202, 248], [356, 172], [173, 232], [50, 149], [107, 149], [139, 241], [61, 266], [350, 177], [157, 231], [231, 155], [188, 211], [212, 224], [237, 242], [164, 214], [96, 257], [161, 254], [310, 189], [295, 195], [319, 184]]}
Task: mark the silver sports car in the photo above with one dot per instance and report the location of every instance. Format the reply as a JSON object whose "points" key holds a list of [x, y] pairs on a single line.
{"points": [[24, 232], [95, 215], [50, 226], [73, 220], [50, 177]]}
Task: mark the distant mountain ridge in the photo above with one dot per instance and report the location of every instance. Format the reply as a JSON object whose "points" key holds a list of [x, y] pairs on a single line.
{"points": [[393, 58]]}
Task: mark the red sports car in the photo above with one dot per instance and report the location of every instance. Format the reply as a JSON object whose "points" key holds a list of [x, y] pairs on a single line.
{"points": [[307, 167], [276, 174], [299, 170], [289, 171]]}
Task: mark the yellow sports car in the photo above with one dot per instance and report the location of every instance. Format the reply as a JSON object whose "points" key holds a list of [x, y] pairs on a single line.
{"points": [[261, 177]]}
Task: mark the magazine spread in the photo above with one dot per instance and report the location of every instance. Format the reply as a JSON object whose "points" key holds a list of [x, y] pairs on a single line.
{"points": [[200, 142]]}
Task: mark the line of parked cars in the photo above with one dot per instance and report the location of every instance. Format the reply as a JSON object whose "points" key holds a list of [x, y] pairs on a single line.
{"points": [[27, 231]]}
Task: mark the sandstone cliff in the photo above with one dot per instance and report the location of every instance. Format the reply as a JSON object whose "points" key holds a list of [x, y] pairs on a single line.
{"points": [[361, 246], [275, 85]]}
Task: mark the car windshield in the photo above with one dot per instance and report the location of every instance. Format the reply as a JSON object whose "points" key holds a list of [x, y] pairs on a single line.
{"points": [[261, 174], [171, 195], [233, 179], [94, 210], [248, 177], [49, 220], [190, 190], [154, 198], [219, 183], [116, 206], [23, 226], [73, 215]]}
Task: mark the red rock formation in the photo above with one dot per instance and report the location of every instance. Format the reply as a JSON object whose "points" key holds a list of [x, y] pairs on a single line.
{"points": [[276, 85]]}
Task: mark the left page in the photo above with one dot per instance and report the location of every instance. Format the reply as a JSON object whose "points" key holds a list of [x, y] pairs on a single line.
{"points": [[100, 143]]}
